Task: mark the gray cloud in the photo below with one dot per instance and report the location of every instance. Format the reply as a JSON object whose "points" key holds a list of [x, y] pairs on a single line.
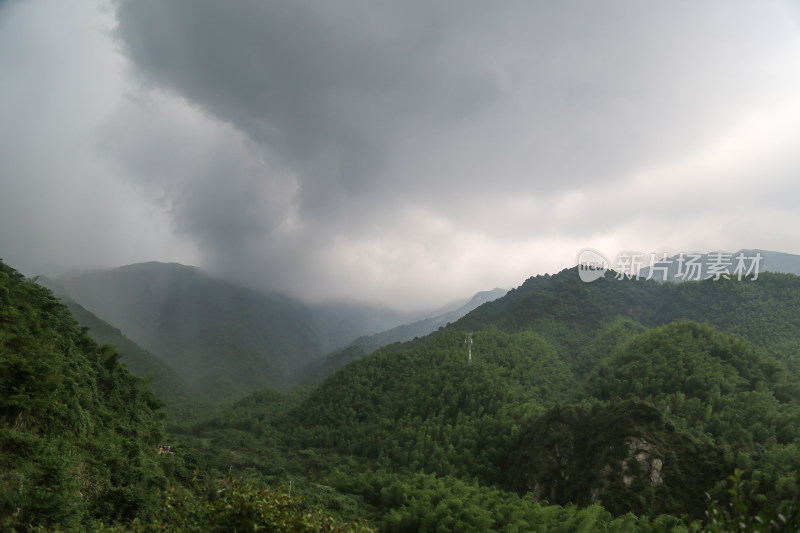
{"points": [[454, 109], [574, 92], [328, 89], [417, 151], [59, 202]]}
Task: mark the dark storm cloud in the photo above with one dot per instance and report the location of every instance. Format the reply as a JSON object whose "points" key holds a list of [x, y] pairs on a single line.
{"points": [[349, 136], [409, 152], [336, 89], [320, 85]]}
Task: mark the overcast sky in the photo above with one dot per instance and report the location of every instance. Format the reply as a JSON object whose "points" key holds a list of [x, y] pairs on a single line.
{"points": [[406, 152]]}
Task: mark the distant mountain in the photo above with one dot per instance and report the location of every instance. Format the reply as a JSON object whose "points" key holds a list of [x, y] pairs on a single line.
{"points": [[339, 323], [223, 339], [422, 327], [165, 383], [316, 371]]}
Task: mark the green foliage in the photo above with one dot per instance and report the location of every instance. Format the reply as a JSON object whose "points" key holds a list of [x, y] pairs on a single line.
{"points": [[623, 453], [572, 416], [230, 506], [164, 382], [78, 433], [423, 502], [569, 312], [717, 388], [604, 341], [763, 311], [565, 310], [740, 513], [430, 409]]}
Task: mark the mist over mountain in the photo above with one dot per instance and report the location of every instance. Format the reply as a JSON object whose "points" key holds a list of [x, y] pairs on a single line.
{"points": [[225, 340], [165, 383]]}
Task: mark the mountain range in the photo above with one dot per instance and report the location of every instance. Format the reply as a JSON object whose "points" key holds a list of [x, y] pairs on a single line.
{"points": [[164, 382], [628, 397], [614, 405], [226, 340]]}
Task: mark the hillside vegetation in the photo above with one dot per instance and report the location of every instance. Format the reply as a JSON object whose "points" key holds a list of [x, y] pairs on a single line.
{"points": [[78, 434], [225, 340], [83, 446], [586, 407]]}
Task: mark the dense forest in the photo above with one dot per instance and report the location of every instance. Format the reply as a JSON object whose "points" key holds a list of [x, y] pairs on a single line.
{"points": [[608, 406]]}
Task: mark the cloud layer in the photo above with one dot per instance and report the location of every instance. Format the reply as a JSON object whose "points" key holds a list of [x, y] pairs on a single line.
{"points": [[418, 151]]}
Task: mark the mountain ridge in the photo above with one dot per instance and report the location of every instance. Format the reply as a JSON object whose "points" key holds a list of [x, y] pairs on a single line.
{"points": [[224, 339], [164, 382]]}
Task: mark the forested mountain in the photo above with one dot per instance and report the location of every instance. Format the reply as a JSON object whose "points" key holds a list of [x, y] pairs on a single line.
{"points": [[225, 340], [568, 311], [616, 405], [81, 441], [78, 433], [163, 381], [597, 394]]}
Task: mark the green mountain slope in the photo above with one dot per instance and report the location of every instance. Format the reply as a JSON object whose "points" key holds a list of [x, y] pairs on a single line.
{"points": [[764, 311], [223, 339], [429, 408], [569, 312], [164, 382], [674, 408], [78, 433], [565, 310]]}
